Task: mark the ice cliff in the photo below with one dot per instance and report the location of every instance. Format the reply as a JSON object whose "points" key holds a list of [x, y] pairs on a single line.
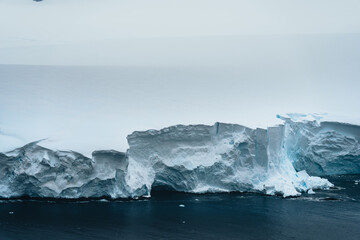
{"points": [[322, 147], [194, 158]]}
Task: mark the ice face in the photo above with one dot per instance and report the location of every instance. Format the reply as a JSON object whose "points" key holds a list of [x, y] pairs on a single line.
{"points": [[194, 158], [39, 172], [219, 158], [323, 148]]}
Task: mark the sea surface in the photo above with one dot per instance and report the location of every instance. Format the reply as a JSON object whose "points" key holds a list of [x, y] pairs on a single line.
{"points": [[332, 214]]}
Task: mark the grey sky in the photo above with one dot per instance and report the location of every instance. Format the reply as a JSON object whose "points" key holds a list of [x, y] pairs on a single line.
{"points": [[64, 21], [171, 62]]}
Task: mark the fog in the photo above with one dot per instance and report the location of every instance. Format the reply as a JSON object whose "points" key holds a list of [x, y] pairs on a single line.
{"points": [[85, 74]]}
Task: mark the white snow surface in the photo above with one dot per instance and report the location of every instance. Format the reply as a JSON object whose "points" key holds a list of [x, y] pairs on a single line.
{"points": [[193, 158]]}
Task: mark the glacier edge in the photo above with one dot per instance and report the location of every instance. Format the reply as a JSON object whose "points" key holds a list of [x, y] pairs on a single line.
{"points": [[287, 160]]}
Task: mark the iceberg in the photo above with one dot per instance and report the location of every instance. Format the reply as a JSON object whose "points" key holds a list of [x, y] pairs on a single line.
{"points": [[286, 160]]}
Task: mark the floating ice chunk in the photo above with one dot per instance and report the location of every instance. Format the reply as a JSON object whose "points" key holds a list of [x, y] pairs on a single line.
{"points": [[181, 205], [310, 191]]}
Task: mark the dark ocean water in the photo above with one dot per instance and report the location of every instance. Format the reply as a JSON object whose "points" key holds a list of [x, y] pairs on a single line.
{"points": [[333, 214]]}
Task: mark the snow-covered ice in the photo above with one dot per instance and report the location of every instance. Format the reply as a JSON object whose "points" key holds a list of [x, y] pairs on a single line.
{"points": [[284, 160]]}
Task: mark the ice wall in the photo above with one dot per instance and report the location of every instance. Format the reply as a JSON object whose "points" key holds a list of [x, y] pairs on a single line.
{"points": [[218, 158], [194, 158], [323, 148]]}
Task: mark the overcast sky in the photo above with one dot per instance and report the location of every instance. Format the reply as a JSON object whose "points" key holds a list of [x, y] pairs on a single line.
{"points": [[61, 21], [119, 66]]}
